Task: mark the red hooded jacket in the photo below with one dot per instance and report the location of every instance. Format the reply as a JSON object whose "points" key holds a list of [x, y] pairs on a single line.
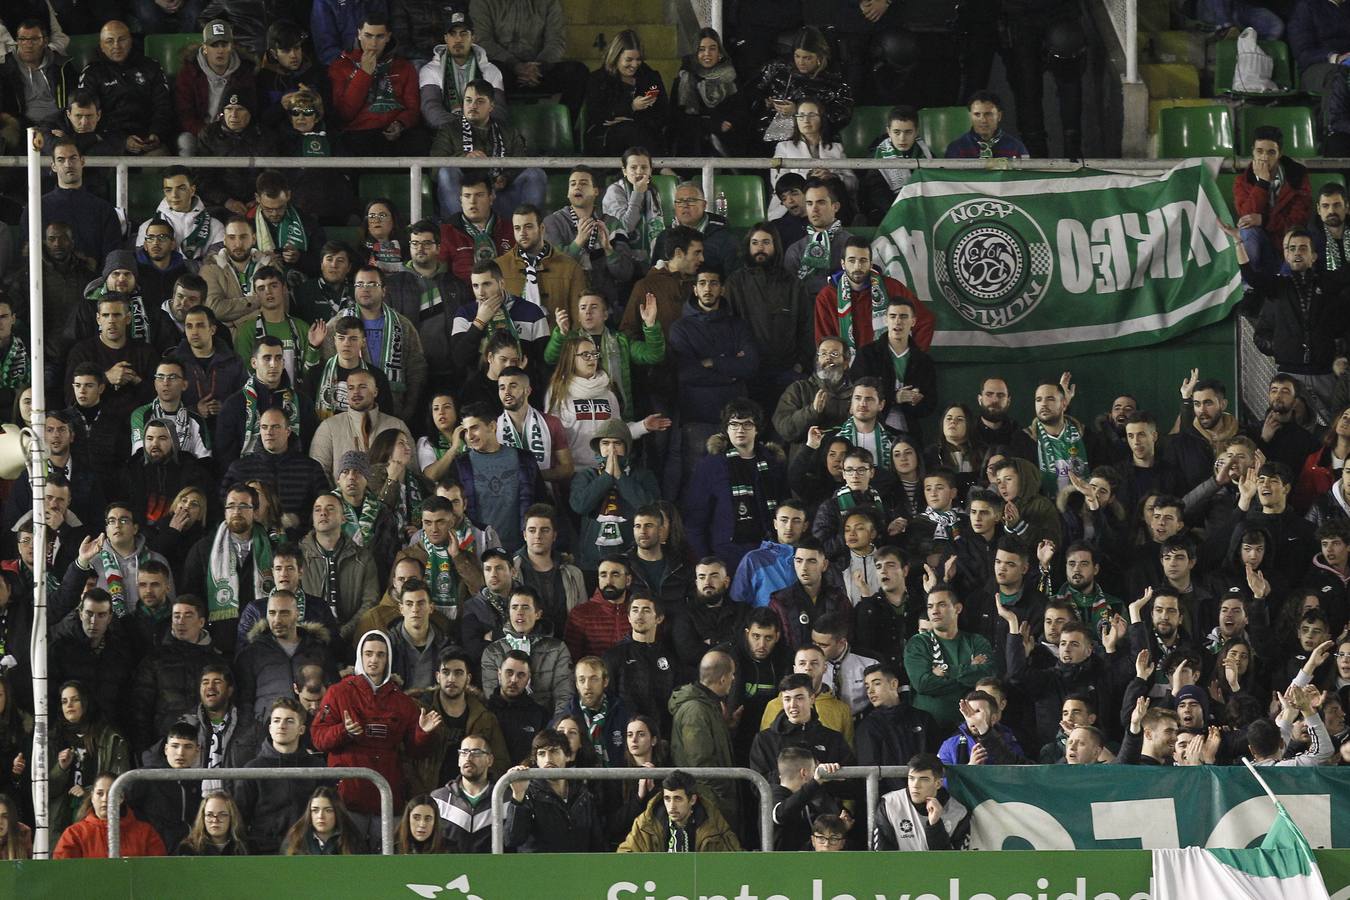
{"points": [[389, 718], [88, 839], [827, 316], [1293, 205], [457, 246], [351, 90]]}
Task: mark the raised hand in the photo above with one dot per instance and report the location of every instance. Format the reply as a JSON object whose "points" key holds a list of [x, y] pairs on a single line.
{"points": [[1258, 584], [564, 320], [1137, 716], [1045, 553], [977, 720], [935, 808], [1066, 382], [1188, 384], [429, 720], [354, 728], [1137, 607], [648, 310], [1143, 665]]}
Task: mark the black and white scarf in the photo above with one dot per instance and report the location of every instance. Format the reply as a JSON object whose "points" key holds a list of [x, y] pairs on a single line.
{"points": [[495, 138], [532, 292]]}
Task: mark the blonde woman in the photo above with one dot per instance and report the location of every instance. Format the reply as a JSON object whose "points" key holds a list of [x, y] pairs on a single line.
{"points": [[626, 101], [217, 830]]}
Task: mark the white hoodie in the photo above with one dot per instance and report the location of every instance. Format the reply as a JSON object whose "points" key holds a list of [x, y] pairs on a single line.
{"points": [[183, 223], [430, 77]]}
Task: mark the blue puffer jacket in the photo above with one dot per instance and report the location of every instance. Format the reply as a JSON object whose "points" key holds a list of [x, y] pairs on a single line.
{"points": [[1317, 29], [710, 510], [727, 341]]}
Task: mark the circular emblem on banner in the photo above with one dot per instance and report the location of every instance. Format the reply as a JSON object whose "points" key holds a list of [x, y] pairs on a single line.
{"points": [[995, 261], [225, 595]]}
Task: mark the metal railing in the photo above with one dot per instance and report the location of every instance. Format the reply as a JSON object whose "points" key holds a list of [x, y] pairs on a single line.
{"points": [[315, 773], [873, 776], [503, 785]]}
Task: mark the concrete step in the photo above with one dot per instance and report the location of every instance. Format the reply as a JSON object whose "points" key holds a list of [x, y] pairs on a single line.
{"points": [[629, 14], [1170, 79]]}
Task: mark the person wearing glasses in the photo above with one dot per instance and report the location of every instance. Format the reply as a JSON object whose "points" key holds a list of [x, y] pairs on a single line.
{"points": [[159, 266], [465, 813], [813, 138], [720, 248], [229, 566], [112, 558], [33, 80]]}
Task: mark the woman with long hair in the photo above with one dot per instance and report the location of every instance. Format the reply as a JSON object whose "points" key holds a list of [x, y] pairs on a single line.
{"points": [[626, 102], [901, 487], [395, 480], [420, 830], [83, 745], [324, 829], [782, 85], [812, 138], [956, 448], [22, 413], [707, 103], [436, 451], [16, 838], [1235, 674], [580, 395], [183, 527], [380, 231], [218, 829], [642, 748], [268, 513], [672, 531], [1326, 465], [88, 838], [1091, 511]]}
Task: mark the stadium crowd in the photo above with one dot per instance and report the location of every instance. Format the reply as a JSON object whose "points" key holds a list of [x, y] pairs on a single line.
{"points": [[526, 487]]}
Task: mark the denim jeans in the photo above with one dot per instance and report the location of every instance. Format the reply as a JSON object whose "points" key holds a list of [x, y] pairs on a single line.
{"points": [[528, 187], [1221, 13]]}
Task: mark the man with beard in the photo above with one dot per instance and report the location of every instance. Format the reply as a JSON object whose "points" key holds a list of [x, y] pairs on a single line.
{"points": [[520, 717], [1054, 440], [593, 240], [1106, 438], [602, 621], [1157, 638], [906, 371], [761, 661], [468, 820], [229, 274], [644, 665], [354, 428], [158, 471], [994, 428], [1078, 670], [710, 619], [535, 270], [1279, 436], [228, 567], [852, 303], [425, 287], [715, 355], [1330, 238], [214, 372], [814, 257], [189, 432], [550, 665], [820, 400], [270, 386], [775, 306], [463, 715], [1203, 427], [159, 265], [661, 575], [527, 429], [1093, 605], [127, 365]]}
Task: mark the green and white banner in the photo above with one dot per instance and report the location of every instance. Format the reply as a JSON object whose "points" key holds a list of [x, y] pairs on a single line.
{"points": [[1146, 807], [1061, 263]]}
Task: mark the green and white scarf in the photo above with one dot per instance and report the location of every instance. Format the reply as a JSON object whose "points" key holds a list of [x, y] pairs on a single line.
{"points": [[1338, 250], [441, 576], [1059, 457], [533, 439], [291, 349], [987, 147], [496, 141], [847, 499], [391, 350], [315, 144], [329, 401], [113, 577], [359, 526], [290, 405], [198, 237], [885, 442], [595, 727], [522, 642], [896, 178], [844, 297], [652, 223], [410, 502], [380, 98], [816, 258], [14, 367], [222, 571], [290, 230], [484, 247], [452, 98], [742, 494], [140, 320]]}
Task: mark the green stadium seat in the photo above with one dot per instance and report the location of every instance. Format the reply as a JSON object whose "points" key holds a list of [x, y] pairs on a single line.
{"points": [[868, 124], [863, 231], [940, 125], [1225, 181], [1318, 180], [1195, 131], [145, 189], [1300, 138], [82, 50], [555, 195], [1225, 58], [745, 198], [348, 234], [395, 187], [546, 127], [167, 49]]}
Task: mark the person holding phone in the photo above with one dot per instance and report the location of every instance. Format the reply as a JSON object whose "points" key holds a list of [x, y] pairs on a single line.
{"points": [[626, 101]]}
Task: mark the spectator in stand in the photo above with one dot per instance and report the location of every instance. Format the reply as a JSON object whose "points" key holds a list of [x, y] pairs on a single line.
{"points": [[474, 132], [533, 270], [210, 73], [326, 828], [441, 88], [194, 229], [790, 192], [708, 111], [626, 101], [335, 25], [901, 141], [233, 133], [325, 193], [782, 86], [820, 253], [580, 395], [97, 229], [922, 815], [88, 838], [552, 816], [813, 138], [375, 97], [287, 66], [528, 40], [715, 354], [1319, 36], [986, 138], [637, 205], [133, 92], [1271, 197], [35, 81]]}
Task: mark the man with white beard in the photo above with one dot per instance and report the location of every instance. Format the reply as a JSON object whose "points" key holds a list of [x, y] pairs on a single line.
{"points": [[821, 399]]}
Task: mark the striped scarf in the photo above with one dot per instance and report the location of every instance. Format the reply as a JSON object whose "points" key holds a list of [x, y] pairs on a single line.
{"points": [[14, 367]]}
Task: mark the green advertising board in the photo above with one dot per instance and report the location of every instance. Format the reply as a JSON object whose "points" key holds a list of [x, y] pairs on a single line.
{"points": [[1011, 875]]}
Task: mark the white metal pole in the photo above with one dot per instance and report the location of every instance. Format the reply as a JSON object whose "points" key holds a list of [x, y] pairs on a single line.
{"points": [[1131, 47], [37, 479], [715, 18]]}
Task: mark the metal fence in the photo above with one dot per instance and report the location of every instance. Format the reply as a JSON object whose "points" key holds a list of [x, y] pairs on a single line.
{"points": [[316, 773], [872, 775], [503, 785]]}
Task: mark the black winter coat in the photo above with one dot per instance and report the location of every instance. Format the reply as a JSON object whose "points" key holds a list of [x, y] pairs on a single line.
{"points": [[546, 823], [167, 686], [106, 673], [269, 807], [1300, 343], [826, 744]]}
